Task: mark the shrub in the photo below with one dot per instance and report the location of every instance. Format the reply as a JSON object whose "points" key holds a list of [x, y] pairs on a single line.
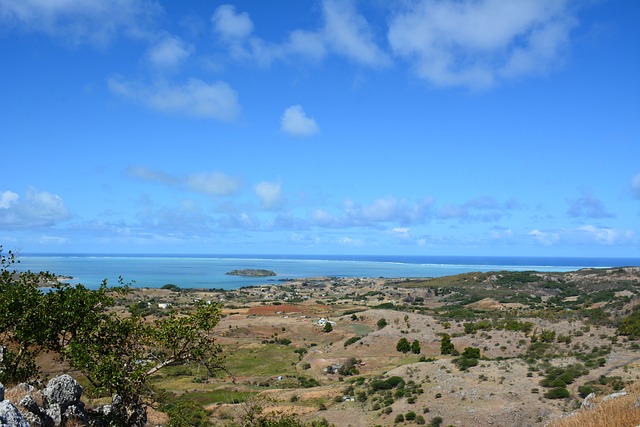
{"points": [[557, 393]]}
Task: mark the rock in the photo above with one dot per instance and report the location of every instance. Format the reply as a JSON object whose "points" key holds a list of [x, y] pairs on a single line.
{"points": [[1, 392], [34, 420], [10, 416], [63, 391], [55, 413], [30, 404], [621, 393], [588, 403], [75, 412], [636, 405]]}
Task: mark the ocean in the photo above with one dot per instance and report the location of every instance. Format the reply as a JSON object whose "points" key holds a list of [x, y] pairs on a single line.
{"points": [[208, 271]]}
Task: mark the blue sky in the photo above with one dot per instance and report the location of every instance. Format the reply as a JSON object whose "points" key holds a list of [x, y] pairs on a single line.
{"points": [[426, 127]]}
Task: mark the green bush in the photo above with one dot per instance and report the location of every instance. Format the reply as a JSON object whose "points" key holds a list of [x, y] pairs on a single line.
{"points": [[557, 393]]}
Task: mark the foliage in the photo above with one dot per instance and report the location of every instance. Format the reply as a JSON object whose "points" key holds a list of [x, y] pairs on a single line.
{"points": [[557, 393], [117, 355], [381, 323], [185, 413], [446, 346], [403, 345], [327, 327], [468, 359], [415, 347], [630, 325], [351, 340]]}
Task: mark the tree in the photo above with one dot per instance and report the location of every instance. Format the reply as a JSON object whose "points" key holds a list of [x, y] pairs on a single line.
{"points": [[327, 327], [446, 346], [382, 323], [403, 345], [415, 347], [116, 354]]}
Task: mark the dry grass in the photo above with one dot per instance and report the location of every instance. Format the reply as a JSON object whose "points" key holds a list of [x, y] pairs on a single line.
{"points": [[618, 412]]}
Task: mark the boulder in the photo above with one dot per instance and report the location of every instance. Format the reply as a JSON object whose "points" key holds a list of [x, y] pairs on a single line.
{"points": [[1, 392], [10, 416], [63, 391]]}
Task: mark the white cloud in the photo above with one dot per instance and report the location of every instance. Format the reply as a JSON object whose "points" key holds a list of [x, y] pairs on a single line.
{"points": [[214, 183], [585, 235], [635, 186], [81, 21], [545, 238], [195, 98], [295, 122], [476, 43], [7, 198], [169, 52], [231, 25], [38, 209], [349, 34], [344, 32], [269, 193]]}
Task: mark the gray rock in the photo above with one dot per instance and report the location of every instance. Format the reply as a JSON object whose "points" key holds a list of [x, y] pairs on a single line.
{"points": [[34, 420], [10, 416], [29, 403], [55, 413], [621, 393], [63, 391], [588, 403], [1, 391], [75, 412]]}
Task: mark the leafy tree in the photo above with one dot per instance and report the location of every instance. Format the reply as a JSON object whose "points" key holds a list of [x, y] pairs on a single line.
{"points": [[415, 347], [403, 345], [116, 354], [446, 346], [382, 323], [327, 327]]}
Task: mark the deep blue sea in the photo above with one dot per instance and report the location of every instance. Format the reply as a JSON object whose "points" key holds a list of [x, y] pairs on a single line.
{"points": [[208, 271]]}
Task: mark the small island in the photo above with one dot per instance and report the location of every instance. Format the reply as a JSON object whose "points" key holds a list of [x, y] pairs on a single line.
{"points": [[249, 272]]}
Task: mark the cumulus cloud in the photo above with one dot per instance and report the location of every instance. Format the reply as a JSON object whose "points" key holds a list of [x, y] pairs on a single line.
{"points": [[81, 21], [213, 183], [7, 198], [344, 32], [169, 52], [388, 209], [269, 193], [230, 24], [587, 206], [350, 35], [194, 98], [635, 186], [476, 43], [37, 209], [295, 122]]}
